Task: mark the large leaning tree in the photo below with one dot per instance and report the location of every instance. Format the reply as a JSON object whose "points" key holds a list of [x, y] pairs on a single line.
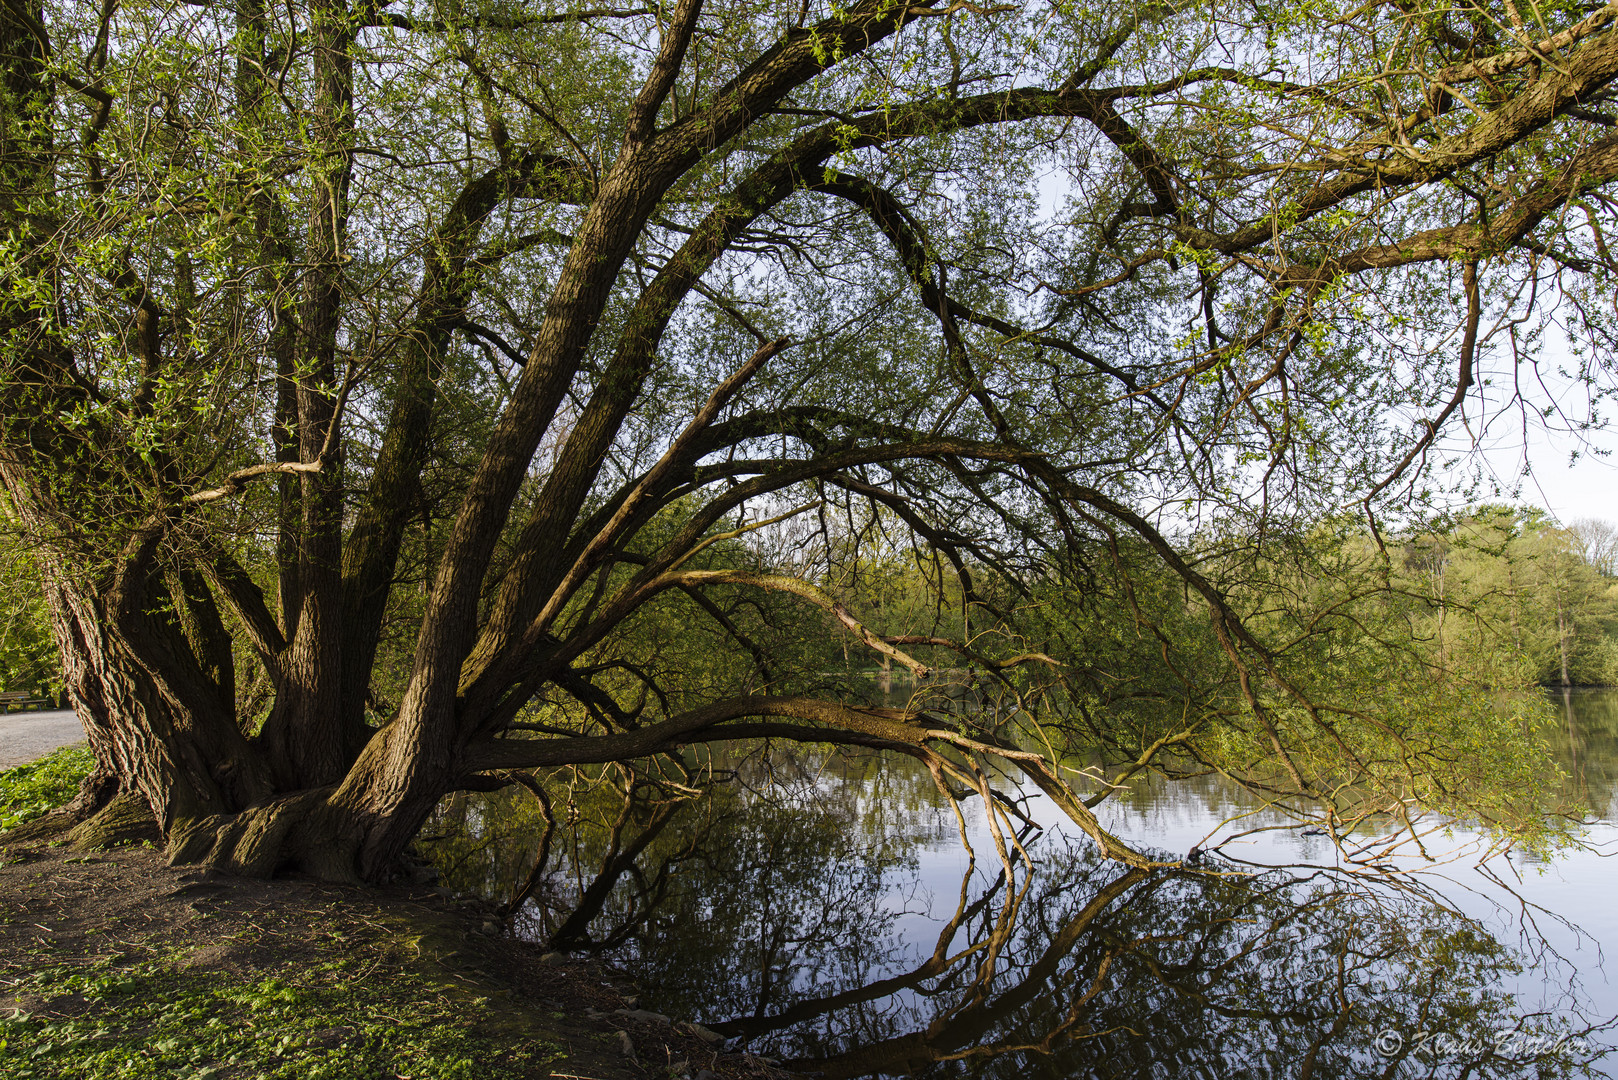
{"points": [[375, 376]]}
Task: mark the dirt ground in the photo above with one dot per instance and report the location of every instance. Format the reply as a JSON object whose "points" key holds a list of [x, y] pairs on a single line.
{"points": [[124, 910]]}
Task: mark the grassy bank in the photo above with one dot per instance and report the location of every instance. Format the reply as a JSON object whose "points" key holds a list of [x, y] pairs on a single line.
{"points": [[114, 965]]}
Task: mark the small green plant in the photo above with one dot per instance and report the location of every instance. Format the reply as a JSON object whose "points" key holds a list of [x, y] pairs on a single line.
{"points": [[32, 790], [329, 1022]]}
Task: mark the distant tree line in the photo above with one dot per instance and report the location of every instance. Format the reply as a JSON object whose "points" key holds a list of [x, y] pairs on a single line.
{"points": [[1500, 596], [1511, 596]]}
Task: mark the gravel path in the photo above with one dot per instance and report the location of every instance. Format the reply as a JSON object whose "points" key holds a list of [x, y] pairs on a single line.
{"points": [[25, 736]]}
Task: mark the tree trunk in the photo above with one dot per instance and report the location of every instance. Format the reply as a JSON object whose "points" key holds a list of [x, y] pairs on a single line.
{"points": [[1562, 634]]}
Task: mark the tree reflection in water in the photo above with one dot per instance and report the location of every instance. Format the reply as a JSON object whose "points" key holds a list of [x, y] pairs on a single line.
{"points": [[783, 912]]}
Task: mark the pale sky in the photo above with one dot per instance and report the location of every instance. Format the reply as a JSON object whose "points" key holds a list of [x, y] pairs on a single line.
{"points": [[1537, 457], [1585, 488]]}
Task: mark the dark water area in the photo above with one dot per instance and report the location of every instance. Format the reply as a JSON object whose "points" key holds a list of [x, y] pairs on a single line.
{"points": [[1586, 745], [820, 907]]}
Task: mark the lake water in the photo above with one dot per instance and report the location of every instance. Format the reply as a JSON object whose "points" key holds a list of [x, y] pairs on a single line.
{"points": [[822, 909]]}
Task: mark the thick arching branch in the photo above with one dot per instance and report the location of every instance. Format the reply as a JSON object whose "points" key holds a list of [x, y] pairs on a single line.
{"points": [[895, 727], [1588, 70], [665, 68], [1593, 167], [892, 725]]}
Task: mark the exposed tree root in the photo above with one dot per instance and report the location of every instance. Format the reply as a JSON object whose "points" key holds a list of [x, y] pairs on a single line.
{"points": [[300, 831], [39, 831], [101, 815], [126, 819]]}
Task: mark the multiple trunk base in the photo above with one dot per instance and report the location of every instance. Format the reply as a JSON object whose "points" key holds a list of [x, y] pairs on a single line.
{"points": [[298, 832]]}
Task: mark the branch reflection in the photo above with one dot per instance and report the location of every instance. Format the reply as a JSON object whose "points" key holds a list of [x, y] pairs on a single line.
{"points": [[819, 909]]}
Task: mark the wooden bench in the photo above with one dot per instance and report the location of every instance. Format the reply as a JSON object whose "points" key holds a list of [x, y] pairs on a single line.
{"points": [[23, 699]]}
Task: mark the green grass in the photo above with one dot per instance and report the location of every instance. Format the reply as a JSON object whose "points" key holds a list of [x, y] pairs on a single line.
{"points": [[335, 1021], [33, 790]]}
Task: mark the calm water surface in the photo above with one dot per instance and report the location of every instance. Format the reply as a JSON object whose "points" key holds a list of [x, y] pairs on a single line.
{"points": [[824, 910]]}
